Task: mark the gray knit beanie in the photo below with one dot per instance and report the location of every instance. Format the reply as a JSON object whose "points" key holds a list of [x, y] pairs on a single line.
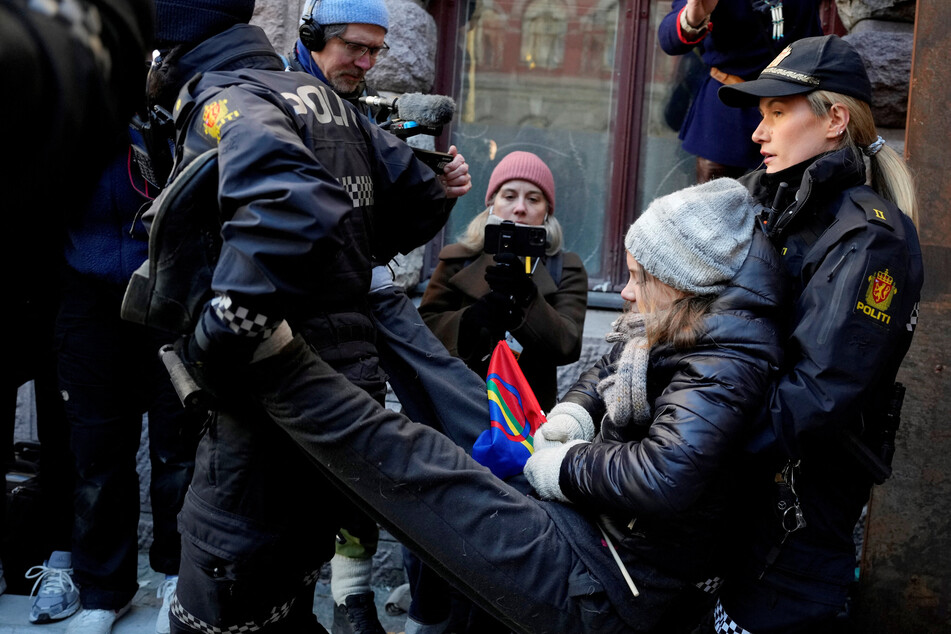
{"points": [[695, 239]]}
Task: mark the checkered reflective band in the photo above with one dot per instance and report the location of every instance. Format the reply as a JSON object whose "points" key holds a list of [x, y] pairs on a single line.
{"points": [[360, 189], [277, 614], [711, 585], [913, 319], [241, 320], [723, 624]]}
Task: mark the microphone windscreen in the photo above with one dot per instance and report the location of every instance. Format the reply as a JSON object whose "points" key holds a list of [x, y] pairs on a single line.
{"points": [[431, 110]]}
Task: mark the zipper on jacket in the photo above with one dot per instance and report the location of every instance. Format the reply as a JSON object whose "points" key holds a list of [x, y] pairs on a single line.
{"points": [[839, 263], [838, 292]]}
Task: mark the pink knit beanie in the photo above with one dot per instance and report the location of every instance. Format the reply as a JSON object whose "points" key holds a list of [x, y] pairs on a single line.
{"points": [[523, 166]]}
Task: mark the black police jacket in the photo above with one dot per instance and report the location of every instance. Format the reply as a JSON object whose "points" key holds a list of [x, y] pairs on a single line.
{"points": [[663, 488], [310, 193], [855, 266]]}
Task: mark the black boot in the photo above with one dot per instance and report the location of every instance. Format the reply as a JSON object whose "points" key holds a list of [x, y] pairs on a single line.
{"points": [[357, 616]]}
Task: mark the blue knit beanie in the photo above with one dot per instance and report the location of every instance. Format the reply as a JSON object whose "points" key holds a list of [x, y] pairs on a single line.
{"points": [[193, 21], [352, 12]]}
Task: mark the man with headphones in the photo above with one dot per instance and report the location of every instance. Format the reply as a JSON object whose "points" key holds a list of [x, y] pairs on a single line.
{"points": [[339, 41]]}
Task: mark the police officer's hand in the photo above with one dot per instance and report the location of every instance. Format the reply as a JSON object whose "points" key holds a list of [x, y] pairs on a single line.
{"points": [[455, 177], [508, 278]]}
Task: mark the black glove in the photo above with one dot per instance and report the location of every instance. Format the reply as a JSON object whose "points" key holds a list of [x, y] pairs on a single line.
{"points": [[484, 324], [508, 278]]}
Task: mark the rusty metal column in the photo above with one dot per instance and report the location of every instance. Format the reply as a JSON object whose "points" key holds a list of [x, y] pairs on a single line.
{"points": [[905, 583]]}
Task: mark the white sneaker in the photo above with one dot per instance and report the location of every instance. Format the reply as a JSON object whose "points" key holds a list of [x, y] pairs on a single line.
{"points": [[96, 621], [166, 591], [56, 595]]}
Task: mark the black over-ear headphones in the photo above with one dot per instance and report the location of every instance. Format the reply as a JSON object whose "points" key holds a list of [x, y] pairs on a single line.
{"points": [[311, 34]]}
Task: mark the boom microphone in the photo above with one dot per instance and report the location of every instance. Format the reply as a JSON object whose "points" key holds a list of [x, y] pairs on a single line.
{"points": [[429, 110]]}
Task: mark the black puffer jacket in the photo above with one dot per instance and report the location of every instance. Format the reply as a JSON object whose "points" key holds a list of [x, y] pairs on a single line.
{"points": [[663, 489]]}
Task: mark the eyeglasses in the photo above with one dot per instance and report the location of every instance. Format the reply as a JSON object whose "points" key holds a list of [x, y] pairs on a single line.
{"points": [[357, 50]]}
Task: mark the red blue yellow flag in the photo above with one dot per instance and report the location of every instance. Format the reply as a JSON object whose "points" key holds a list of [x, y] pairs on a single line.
{"points": [[514, 416]]}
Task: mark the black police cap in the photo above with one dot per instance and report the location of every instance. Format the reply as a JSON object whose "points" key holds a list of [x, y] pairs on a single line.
{"points": [[814, 63]]}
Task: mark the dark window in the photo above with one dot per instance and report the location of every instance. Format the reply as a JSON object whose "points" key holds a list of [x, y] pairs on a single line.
{"points": [[582, 84]]}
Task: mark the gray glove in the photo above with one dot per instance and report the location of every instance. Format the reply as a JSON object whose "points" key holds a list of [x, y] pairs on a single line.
{"points": [[566, 421], [543, 469]]}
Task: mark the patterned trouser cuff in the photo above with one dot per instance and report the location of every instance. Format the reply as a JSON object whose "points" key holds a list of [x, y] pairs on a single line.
{"points": [[723, 624], [711, 585], [276, 614]]}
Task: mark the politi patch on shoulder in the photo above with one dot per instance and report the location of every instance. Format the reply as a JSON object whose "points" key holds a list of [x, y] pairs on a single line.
{"points": [[879, 291], [215, 115]]}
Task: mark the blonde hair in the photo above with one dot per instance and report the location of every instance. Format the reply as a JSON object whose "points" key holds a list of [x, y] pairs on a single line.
{"points": [[890, 176], [473, 238], [681, 324]]}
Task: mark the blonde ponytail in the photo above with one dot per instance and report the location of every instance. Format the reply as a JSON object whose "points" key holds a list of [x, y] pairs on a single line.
{"points": [[889, 174]]}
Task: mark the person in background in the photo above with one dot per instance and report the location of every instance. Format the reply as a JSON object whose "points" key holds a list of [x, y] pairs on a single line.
{"points": [[472, 301], [109, 375], [736, 39], [339, 41], [852, 255], [77, 73], [639, 474], [473, 298], [309, 206]]}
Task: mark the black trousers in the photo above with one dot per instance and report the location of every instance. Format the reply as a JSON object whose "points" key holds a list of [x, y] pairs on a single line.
{"points": [[110, 374], [494, 543]]}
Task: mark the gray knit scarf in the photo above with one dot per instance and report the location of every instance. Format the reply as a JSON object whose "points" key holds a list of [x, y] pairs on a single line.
{"points": [[624, 392]]}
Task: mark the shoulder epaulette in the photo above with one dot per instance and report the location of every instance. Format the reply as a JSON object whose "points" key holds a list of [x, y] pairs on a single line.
{"points": [[877, 209]]}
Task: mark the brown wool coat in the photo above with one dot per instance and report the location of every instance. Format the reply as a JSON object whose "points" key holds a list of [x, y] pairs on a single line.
{"points": [[550, 334]]}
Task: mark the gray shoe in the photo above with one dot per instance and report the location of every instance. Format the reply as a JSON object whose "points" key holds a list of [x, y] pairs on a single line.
{"points": [[56, 595]]}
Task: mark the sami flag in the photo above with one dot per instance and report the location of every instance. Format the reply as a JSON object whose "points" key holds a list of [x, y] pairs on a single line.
{"points": [[514, 416]]}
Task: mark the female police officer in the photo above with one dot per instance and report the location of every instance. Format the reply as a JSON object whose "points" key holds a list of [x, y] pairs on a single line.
{"points": [[855, 265]]}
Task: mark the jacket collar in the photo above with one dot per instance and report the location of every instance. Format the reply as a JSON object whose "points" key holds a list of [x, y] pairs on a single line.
{"points": [[833, 172], [241, 46]]}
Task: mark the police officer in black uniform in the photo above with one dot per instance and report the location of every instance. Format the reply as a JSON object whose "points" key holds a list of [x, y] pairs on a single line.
{"points": [[302, 182], [852, 256]]}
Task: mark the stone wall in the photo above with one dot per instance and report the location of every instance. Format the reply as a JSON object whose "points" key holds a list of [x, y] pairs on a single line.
{"points": [[883, 33]]}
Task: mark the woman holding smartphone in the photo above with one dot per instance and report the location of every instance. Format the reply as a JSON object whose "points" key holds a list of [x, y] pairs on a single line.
{"points": [[474, 298]]}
